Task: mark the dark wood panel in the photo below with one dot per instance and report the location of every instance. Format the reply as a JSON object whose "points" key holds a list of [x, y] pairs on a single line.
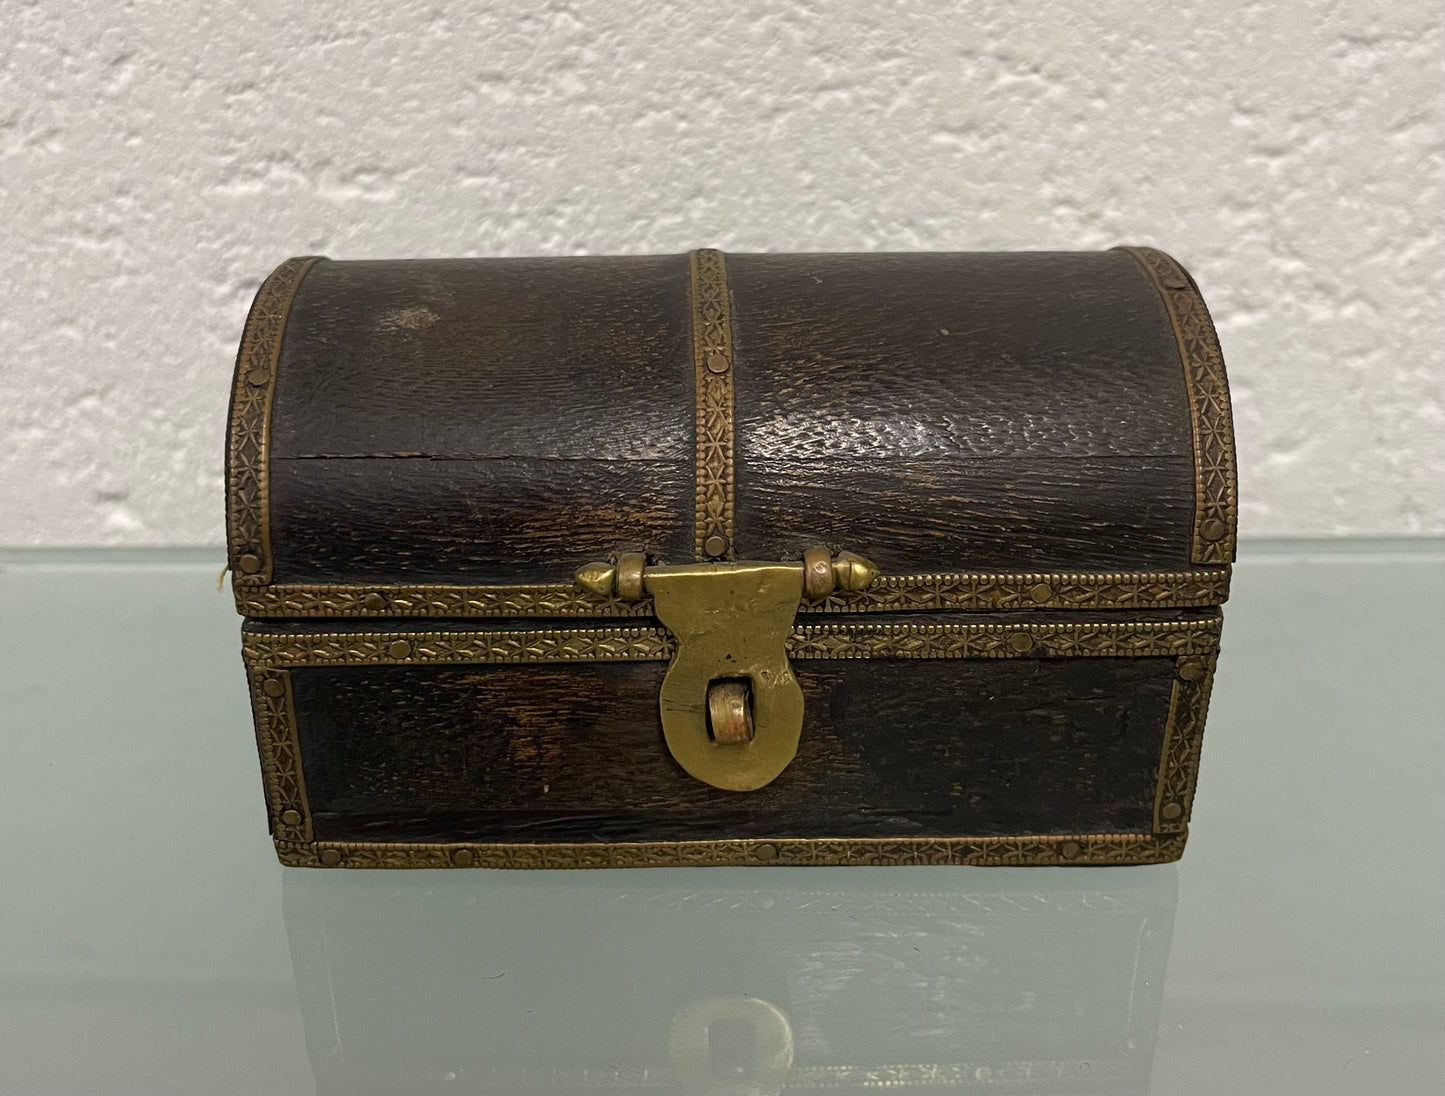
{"points": [[471, 521], [937, 401], [474, 421], [575, 753], [935, 411], [569, 358], [1063, 514]]}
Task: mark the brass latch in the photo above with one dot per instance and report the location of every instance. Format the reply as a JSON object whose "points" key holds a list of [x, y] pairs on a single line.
{"points": [[732, 711]]}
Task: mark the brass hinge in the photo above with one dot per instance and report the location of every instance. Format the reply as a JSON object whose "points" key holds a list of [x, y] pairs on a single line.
{"points": [[732, 710]]}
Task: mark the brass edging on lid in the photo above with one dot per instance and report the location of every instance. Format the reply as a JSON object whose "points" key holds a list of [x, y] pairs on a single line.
{"points": [[1150, 639], [248, 453], [712, 343], [1216, 492], [958, 592]]}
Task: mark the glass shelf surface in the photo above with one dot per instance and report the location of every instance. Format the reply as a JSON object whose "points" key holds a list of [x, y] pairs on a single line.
{"points": [[150, 943]]}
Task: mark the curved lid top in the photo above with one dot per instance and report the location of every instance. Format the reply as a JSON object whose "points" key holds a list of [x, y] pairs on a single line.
{"points": [[455, 438]]}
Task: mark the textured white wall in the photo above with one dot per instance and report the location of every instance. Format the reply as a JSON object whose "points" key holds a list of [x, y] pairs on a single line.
{"points": [[156, 159]]}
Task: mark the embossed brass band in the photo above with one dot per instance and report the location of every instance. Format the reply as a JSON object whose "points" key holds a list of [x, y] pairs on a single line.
{"points": [[270, 657], [248, 453], [712, 342], [1183, 736], [889, 594], [1161, 639], [1106, 848], [1216, 496]]}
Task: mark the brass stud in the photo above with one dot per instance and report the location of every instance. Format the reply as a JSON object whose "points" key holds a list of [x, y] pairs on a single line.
{"points": [[272, 686], [374, 602], [596, 578], [1021, 642], [291, 818], [329, 857], [853, 573], [630, 566], [399, 648], [463, 858], [1191, 669], [258, 377], [817, 573], [1212, 529], [716, 363], [1041, 592], [766, 852], [249, 564], [1171, 811], [1069, 849], [716, 546]]}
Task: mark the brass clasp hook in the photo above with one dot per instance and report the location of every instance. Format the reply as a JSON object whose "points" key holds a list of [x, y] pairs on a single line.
{"points": [[731, 622]]}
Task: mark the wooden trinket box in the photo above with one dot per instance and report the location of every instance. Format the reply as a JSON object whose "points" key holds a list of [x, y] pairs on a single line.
{"points": [[706, 559]]}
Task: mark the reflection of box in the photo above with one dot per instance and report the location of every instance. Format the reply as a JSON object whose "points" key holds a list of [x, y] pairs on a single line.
{"points": [[693, 981]]}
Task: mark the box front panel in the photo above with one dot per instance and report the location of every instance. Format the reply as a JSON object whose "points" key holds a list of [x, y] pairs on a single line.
{"points": [[575, 753]]}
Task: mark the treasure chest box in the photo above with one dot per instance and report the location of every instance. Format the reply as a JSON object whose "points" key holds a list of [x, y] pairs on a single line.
{"points": [[706, 559]]}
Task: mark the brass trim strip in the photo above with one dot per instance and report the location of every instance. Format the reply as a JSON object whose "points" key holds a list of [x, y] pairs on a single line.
{"points": [[286, 802], [1164, 639], [1216, 490], [248, 510], [995, 592], [712, 351], [929, 641], [1106, 848], [889, 594], [555, 599], [1183, 739], [1179, 761]]}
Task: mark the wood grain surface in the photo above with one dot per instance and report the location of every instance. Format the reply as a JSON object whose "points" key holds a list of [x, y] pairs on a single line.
{"points": [[504, 420], [575, 752], [479, 421], [1009, 411]]}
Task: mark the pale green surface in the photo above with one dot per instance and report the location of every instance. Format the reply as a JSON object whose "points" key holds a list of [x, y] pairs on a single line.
{"points": [[143, 946]]}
